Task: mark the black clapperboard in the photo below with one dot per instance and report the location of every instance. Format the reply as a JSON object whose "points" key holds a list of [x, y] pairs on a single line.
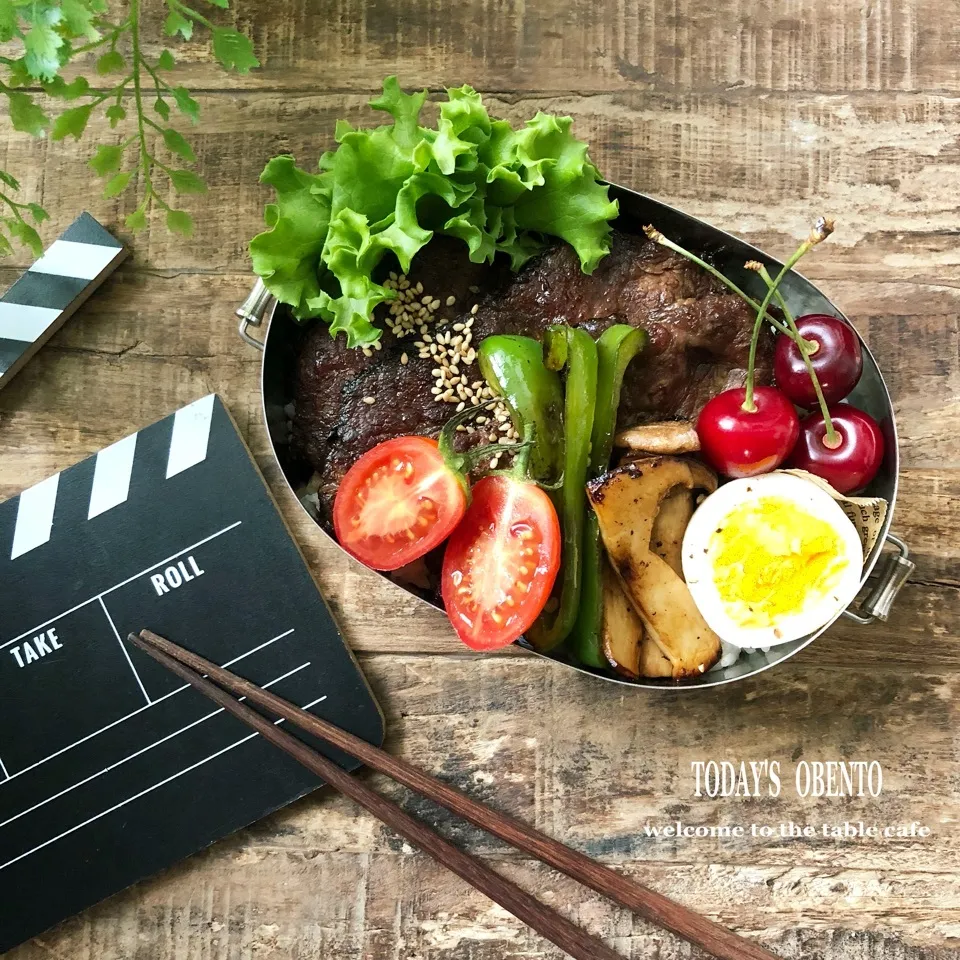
{"points": [[110, 768], [48, 294]]}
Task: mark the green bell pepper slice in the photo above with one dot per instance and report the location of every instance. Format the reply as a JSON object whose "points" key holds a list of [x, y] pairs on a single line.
{"points": [[617, 346], [514, 369], [574, 349]]}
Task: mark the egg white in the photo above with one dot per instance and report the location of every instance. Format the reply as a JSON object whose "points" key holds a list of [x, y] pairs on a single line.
{"points": [[698, 568]]}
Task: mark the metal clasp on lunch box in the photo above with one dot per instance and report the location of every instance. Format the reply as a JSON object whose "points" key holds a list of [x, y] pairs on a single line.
{"points": [[258, 307], [895, 569]]}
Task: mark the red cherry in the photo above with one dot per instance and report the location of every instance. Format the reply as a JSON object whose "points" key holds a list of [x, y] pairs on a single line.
{"points": [[854, 463], [741, 444], [838, 360]]}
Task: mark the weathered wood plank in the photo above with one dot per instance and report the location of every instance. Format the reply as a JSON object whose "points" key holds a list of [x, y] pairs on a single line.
{"points": [[885, 165], [755, 117], [351, 889], [357, 908], [566, 45]]}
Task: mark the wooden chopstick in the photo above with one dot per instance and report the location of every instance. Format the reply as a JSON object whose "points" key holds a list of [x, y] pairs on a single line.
{"points": [[715, 939], [547, 922]]}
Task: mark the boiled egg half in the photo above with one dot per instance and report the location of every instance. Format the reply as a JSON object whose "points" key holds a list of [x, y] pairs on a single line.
{"points": [[771, 559]]}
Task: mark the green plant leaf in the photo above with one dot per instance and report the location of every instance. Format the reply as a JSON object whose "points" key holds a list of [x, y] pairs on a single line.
{"points": [[223, 4], [162, 108], [186, 104], [26, 235], [107, 159], [25, 115], [176, 143], [19, 75], [179, 221], [8, 21], [12, 182], [116, 185], [111, 62], [115, 113], [234, 50], [39, 214], [71, 122], [78, 19], [136, 220], [166, 60], [42, 50], [58, 87], [6, 248], [186, 181], [177, 23]]}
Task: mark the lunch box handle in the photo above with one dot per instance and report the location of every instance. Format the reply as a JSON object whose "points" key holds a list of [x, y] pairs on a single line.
{"points": [[258, 306], [893, 575]]}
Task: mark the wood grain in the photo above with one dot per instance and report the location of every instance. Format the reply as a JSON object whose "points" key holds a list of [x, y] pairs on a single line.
{"points": [[753, 114]]}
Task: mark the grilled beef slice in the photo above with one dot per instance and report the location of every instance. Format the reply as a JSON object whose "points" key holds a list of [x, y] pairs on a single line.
{"points": [[699, 341]]}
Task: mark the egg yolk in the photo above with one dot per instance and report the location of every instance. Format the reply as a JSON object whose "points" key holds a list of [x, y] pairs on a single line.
{"points": [[772, 558]]}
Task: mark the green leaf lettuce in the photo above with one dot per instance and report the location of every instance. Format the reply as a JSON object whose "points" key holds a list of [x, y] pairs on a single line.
{"points": [[389, 189]]}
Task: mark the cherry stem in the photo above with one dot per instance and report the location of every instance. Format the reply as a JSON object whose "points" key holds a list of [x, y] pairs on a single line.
{"points": [[832, 439], [658, 237], [821, 230]]}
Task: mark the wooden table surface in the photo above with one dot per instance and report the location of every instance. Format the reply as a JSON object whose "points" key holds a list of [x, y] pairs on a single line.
{"points": [[756, 115]]}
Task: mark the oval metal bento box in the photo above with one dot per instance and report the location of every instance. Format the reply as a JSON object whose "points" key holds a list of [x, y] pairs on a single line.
{"points": [[284, 334]]}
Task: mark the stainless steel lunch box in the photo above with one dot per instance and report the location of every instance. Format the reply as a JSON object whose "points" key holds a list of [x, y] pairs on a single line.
{"points": [[729, 254]]}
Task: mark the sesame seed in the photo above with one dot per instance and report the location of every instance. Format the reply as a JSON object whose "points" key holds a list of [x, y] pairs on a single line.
{"points": [[369, 400], [474, 309], [435, 391], [404, 359], [473, 289], [451, 301], [419, 287], [460, 406]]}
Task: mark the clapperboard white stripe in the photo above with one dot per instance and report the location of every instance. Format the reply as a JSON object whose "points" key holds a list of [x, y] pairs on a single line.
{"points": [[191, 434], [189, 441], [19, 321], [111, 477], [69, 258], [41, 301], [35, 516]]}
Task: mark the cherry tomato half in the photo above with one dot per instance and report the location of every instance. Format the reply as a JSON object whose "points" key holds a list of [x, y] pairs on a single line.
{"points": [[397, 502], [501, 562]]}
